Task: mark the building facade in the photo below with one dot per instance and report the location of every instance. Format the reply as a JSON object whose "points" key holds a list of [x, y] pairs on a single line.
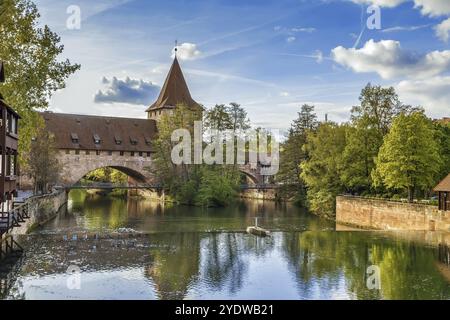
{"points": [[9, 121]]}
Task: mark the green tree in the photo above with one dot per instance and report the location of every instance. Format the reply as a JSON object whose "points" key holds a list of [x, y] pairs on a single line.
{"points": [[321, 170], [409, 158], [293, 154], [34, 70], [443, 138], [218, 118], [370, 122], [44, 166], [238, 117]]}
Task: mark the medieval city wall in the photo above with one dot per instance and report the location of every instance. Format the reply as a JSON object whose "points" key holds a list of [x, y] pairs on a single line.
{"points": [[380, 214]]}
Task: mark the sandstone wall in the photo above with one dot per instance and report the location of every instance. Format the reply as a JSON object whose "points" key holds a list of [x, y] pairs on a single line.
{"points": [[389, 215]]}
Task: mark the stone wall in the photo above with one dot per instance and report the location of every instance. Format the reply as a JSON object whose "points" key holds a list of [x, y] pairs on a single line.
{"points": [[390, 215], [259, 194], [42, 209]]}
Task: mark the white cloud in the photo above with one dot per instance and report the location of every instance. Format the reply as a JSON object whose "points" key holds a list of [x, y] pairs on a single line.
{"points": [[405, 28], [443, 30], [129, 91], [290, 39], [389, 60], [427, 7], [381, 3], [433, 94], [308, 30], [319, 56], [433, 7], [187, 51], [284, 94]]}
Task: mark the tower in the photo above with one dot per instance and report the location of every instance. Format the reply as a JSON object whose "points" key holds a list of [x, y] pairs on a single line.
{"points": [[174, 92]]}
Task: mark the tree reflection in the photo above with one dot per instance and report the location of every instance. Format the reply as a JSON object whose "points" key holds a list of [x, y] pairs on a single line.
{"points": [[408, 270], [175, 263], [223, 261]]}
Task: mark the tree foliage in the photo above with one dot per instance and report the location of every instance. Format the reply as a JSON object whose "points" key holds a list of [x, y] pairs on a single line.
{"points": [[34, 70], [409, 157], [321, 171], [293, 154], [194, 184], [44, 167]]}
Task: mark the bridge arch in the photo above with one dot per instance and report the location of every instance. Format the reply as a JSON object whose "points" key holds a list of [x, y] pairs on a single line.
{"points": [[250, 177], [76, 166]]}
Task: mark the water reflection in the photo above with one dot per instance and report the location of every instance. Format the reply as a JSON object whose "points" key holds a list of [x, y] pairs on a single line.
{"points": [[176, 253]]}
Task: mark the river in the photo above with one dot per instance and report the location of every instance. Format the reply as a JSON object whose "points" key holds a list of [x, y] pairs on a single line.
{"points": [[105, 247]]}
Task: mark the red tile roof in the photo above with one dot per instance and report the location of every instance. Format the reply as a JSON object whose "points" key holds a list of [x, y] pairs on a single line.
{"points": [[174, 91], [114, 134]]}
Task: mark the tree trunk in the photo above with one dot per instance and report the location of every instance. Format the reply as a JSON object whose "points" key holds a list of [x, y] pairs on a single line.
{"points": [[411, 194]]}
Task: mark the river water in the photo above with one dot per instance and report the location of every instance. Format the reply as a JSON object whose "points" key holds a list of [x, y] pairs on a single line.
{"points": [[105, 247]]}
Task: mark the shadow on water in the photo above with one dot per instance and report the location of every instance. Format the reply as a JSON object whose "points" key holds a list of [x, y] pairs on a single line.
{"points": [[132, 249]]}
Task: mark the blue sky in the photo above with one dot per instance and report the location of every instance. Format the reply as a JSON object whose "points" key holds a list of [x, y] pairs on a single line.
{"points": [[270, 56]]}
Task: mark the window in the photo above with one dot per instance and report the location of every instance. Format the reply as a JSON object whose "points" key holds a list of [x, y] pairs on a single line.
{"points": [[121, 153], [148, 141], [88, 152], [133, 141], [97, 139], [148, 154], [132, 153], [67, 151], [77, 152], [12, 166], [74, 137], [118, 140], [140, 154], [97, 152], [109, 153]]}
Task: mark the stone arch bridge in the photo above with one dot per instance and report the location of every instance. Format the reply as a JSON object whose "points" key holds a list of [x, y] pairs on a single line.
{"points": [[77, 164]]}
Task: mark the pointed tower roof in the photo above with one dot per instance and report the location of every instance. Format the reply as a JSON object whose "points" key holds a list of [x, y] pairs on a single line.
{"points": [[174, 91]]}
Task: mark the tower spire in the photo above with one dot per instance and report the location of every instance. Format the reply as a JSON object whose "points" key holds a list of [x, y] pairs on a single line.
{"points": [[176, 48]]}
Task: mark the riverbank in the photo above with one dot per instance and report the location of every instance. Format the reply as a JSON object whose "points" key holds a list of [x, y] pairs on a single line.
{"points": [[41, 209]]}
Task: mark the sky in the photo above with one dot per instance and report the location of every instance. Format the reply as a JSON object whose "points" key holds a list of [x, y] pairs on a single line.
{"points": [[270, 56]]}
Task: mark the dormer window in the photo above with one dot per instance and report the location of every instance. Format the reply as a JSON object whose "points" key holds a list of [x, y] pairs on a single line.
{"points": [[148, 141], [133, 141], [74, 138], [118, 140], [97, 139]]}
